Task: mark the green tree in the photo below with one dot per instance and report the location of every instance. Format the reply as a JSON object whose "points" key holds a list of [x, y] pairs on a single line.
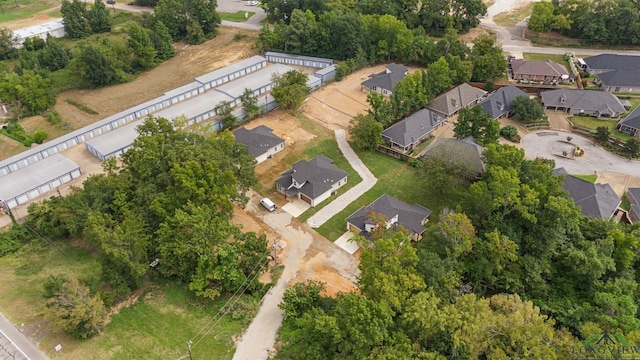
{"points": [[76, 23], [366, 132], [487, 59], [195, 34], [527, 109], [34, 92], [223, 110], [162, 41], [460, 71], [39, 136], [54, 57], [76, 311], [290, 90], [143, 48], [632, 147], [437, 78], [301, 298], [98, 17], [249, 104], [541, 18], [96, 69], [602, 134], [8, 44], [380, 109]]}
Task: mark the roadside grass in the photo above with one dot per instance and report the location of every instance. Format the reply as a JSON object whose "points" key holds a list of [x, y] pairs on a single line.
{"points": [[237, 16], [593, 123], [397, 179], [158, 325], [514, 16], [555, 39], [26, 8], [590, 178]]}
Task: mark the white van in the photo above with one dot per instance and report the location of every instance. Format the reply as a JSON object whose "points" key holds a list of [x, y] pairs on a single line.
{"points": [[268, 204]]}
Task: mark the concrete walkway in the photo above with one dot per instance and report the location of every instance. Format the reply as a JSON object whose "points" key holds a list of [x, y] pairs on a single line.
{"points": [[338, 204]]}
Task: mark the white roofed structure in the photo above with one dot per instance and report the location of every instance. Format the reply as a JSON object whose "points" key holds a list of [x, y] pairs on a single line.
{"points": [[259, 81], [54, 28], [32, 181]]}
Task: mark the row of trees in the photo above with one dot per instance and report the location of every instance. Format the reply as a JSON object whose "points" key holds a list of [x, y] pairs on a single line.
{"points": [[613, 22], [458, 292], [434, 16], [172, 199], [81, 21]]}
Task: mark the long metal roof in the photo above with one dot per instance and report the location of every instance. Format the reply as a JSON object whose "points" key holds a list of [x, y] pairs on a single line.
{"points": [[254, 81], [31, 177], [194, 106], [230, 69], [116, 139]]}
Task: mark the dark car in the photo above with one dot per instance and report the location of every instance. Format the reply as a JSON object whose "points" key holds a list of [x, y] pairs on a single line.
{"points": [[111, 2]]}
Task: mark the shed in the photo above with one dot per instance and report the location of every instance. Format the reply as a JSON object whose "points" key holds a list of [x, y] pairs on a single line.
{"points": [[33, 181], [54, 28], [300, 60], [327, 74]]}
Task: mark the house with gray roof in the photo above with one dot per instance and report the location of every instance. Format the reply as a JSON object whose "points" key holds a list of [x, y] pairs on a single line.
{"points": [[548, 70], [384, 82], [617, 73], [312, 181], [397, 214], [463, 153], [600, 104], [498, 104], [595, 200], [633, 195], [630, 124], [260, 141], [452, 101], [407, 133]]}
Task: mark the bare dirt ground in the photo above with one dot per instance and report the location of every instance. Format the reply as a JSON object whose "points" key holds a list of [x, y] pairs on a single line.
{"points": [[37, 19]]}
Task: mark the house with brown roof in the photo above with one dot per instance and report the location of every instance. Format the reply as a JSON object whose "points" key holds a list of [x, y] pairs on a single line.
{"points": [[547, 71], [452, 101]]}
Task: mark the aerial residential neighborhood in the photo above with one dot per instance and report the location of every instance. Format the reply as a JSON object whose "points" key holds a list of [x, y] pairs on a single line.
{"points": [[257, 180]]}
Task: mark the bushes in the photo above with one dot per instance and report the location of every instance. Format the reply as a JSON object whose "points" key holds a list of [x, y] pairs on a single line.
{"points": [[39, 136], [510, 133], [17, 133]]}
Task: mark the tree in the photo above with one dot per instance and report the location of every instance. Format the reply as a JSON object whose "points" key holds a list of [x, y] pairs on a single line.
{"points": [[437, 78], [39, 136], [142, 46], [8, 44], [195, 34], [602, 134], [366, 132], [290, 89], [442, 176], [380, 109], [249, 104], [474, 122], [96, 69], [162, 41], [460, 71], [632, 147], [31, 91], [527, 109], [98, 17], [542, 17], [76, 310], [195, 20], [76, 23], [223, 109], [487, 58]]}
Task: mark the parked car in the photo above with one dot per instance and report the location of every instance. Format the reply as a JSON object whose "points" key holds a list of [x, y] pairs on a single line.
{"points": [[252, 3], [268, 204], [111, 2]]}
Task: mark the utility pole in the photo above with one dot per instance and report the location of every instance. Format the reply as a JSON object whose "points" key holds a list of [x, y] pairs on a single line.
{"points": [[189, 348]]}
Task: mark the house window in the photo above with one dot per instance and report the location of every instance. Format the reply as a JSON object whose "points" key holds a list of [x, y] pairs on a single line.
{"points": [[374, 88], [385, 92]]}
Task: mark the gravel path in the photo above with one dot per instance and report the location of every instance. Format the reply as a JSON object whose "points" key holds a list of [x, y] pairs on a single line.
{"points": [[338, 204]]}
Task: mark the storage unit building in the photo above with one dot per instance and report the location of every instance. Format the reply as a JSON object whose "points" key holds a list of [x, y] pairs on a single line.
{"points": [[327, 74], [300, 60], [31, 182], [54, 28], [114, 143], [232, 72]]}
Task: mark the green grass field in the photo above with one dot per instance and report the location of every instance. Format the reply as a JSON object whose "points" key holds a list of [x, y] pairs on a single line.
{"points": [[238, 16], [590, 178], [593, 123], [158, 325], [513, 17], [25, 9], [395, 178]]}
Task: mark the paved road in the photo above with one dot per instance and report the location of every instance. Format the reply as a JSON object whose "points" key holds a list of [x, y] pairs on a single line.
{"points": [[595, 159], [258, 340], [339, 203], [14, 345]]}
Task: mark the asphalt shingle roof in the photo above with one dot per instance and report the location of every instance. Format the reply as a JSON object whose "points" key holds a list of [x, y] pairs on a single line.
{"points": [[316, 176], [258, 140], [409, 216], [633, 119], [588, 100], [613, 62], [408, 130], [595, 200], [620, 78], [388, 78], [456, 98], [541, 68], [499, 102]]}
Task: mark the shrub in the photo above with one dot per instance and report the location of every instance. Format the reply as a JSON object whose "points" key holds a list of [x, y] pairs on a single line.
{"points": [[510, 133], [585, 83], [40, 136], [54, 118], [488, 86]]}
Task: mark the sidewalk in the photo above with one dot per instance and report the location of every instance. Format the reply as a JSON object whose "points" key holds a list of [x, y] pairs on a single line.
{"points": [[338, 204]]}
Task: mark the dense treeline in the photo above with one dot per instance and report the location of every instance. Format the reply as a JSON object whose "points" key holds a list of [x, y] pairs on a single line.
{"points": [[172, 199], [610, 22], [433, 16], [516, 271]]}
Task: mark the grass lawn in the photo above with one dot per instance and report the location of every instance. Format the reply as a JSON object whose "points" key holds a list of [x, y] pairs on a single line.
{"points": [[158, 325], [397, 179], [590, 178], [593, 123], [238, 16], [25, 9], [513, 17]]}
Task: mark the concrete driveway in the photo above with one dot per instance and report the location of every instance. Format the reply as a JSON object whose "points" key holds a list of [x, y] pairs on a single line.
{"points": [[296, 207], [595, 160]]}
